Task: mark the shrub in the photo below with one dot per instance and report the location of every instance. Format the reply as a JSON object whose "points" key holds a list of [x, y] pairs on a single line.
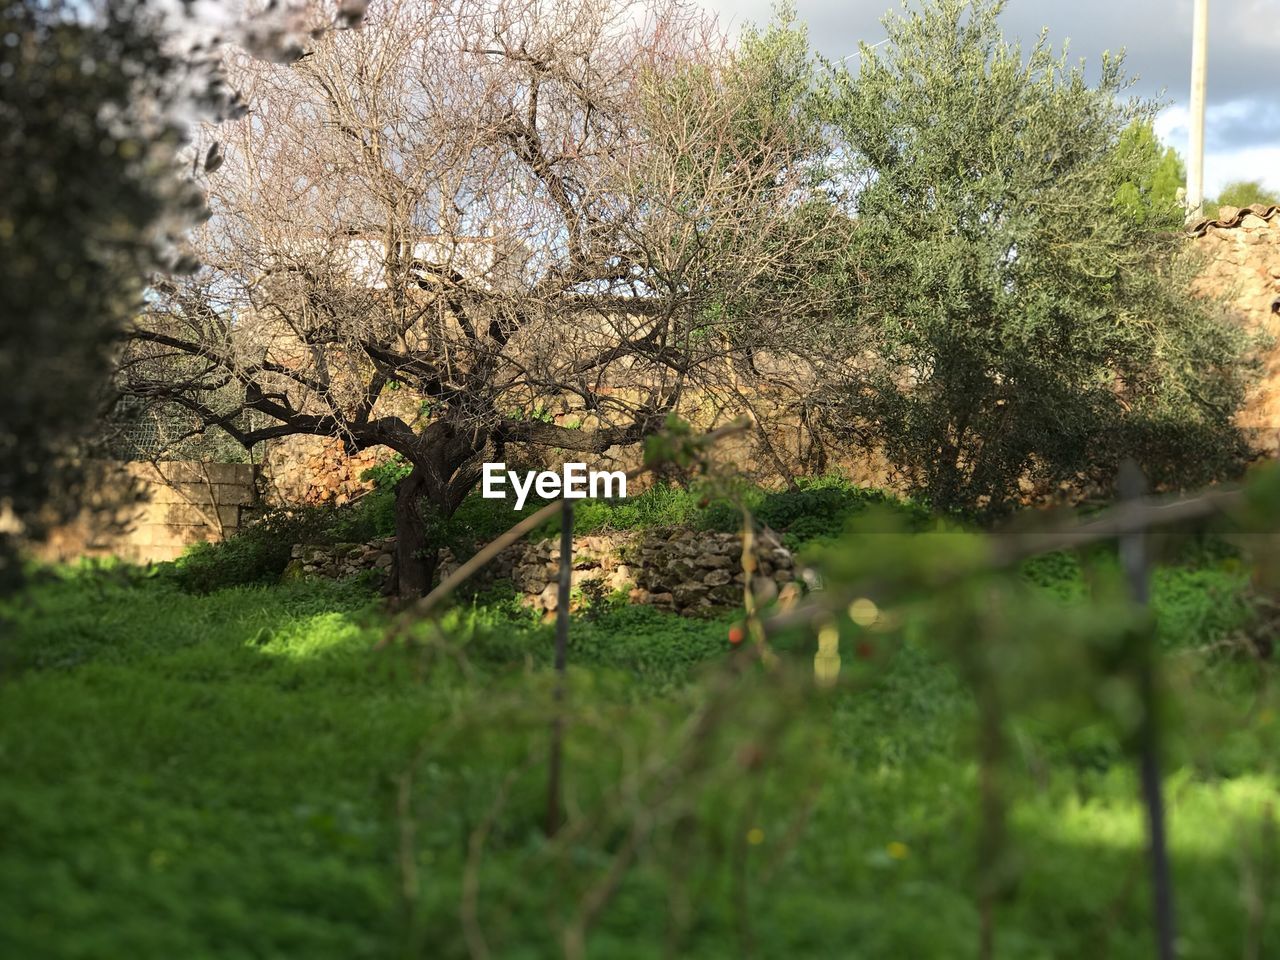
{"points": [[376, 510], [259, 552]]}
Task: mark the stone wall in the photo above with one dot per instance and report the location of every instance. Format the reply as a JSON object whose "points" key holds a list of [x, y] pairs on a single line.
{"points": [[1242, 264], [689, 572], [316, 471], [146, 512]]}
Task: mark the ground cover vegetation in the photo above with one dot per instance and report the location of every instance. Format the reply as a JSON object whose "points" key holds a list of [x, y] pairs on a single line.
{"points": [[935, 754], [250, 771], [816, 507]]}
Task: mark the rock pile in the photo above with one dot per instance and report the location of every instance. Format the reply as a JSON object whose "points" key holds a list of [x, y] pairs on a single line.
{"points": [[534, 569], [340, 561], [696, 571], [690, 572], [316, 471]]}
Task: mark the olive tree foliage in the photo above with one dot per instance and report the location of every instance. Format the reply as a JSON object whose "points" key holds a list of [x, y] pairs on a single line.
{"points": [[1023, 326], [432, 233]]}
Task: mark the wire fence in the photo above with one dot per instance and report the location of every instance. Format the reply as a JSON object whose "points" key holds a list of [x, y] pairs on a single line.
{"points": [[139, 431]]}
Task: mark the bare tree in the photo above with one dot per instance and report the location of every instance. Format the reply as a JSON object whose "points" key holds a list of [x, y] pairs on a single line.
{"points": [[496, 205]]}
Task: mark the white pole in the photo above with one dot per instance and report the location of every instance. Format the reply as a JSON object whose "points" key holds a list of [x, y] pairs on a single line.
{"points": [[1195, 158]]}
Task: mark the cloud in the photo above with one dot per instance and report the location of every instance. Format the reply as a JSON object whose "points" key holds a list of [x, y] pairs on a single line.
{"points": [[1226, 158], [1242, 123], [1242, 120]]}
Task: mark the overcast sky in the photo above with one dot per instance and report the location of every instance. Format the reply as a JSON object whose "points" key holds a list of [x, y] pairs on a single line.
{"points": [[1243, 117]]}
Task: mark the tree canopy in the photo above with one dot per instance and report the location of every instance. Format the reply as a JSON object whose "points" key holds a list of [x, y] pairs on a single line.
{"points": [[504, 210], [1024, 323], [1153, 173]]}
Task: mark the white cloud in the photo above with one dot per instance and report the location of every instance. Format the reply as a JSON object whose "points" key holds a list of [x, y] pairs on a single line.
{"points": [[1222, 163], [1243, 133]]}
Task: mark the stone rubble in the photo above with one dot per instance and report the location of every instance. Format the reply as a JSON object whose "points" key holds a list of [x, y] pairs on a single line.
{"points": [[686, 571]]}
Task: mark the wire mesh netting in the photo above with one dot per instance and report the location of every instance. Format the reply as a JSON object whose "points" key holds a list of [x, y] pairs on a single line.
{"points": [[137, 431]]}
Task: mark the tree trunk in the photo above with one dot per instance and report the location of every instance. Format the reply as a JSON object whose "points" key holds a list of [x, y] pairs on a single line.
{"points": [[416, 558]]}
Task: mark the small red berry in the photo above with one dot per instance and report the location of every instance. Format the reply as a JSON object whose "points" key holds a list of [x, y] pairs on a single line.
{"points": [[736, 634], [865, 649]]}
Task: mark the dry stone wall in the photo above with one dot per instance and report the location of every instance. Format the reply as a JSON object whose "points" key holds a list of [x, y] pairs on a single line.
{"points": [[1242, 263], [689, 572], [316, 471]]}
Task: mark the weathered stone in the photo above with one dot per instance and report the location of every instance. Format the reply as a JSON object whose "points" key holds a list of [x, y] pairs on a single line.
{"points": [[680, 570], [717, 578], [725, 595], [687, 594]]}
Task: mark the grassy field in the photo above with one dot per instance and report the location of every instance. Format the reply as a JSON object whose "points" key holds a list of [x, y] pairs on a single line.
{"points": [[247, 774]]}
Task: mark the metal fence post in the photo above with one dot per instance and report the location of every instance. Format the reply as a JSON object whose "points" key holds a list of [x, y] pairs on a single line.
{"points": [[1137, 564]]}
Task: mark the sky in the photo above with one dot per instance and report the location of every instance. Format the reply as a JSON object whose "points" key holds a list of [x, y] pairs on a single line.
{"points": [[1242, 117]]}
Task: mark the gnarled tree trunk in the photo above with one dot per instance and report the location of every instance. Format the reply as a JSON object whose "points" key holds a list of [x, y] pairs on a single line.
{"points": [[416, 557]]}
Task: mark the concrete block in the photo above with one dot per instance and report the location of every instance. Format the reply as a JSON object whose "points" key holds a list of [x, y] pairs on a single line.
{"points": [[224, 494], [181, 493], [234, 494]]}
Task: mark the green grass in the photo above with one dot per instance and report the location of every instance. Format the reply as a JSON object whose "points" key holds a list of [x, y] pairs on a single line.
{"points": [[244, 774]]}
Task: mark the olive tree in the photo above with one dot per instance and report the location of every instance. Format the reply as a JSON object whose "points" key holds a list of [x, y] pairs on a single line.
{"points": [[1022, 324], [429, 232]]}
